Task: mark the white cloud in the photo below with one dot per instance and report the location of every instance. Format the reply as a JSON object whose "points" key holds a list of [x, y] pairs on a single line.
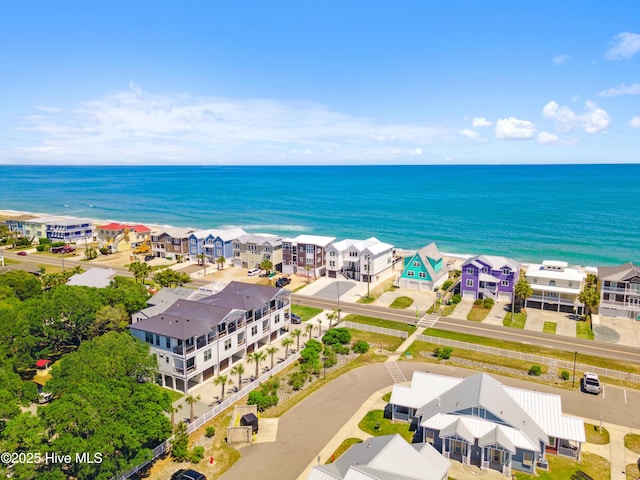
{"points": [[512, 128], [44, 108], [137, 126], [472, 135], [633, 89], [625, 45], [560, 59], [634, 122], [481, 122], [545, 138], [593, 120]]}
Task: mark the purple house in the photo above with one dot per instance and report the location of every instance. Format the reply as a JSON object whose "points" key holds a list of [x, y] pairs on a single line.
{"points": [[488, 276]]}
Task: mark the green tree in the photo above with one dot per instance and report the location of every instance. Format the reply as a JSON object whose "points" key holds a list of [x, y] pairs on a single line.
{"points": [[191, 400], [257, 358], [4, 230], [266, 265], [271, 351], [238, 369], [173, 409], [523, 291], [308, 269], [589, 295], [286, 343], [221, 261], [23, 285], [90, 253], [309, 329], [140, 270], [108, 319], [170, 278], [297, 334], [222, 380], [180, 443]]}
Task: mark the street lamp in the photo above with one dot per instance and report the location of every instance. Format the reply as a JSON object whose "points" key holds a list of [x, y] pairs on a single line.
{"points": [[324, 366], [338, 285], [368, 257], [575, 355]]}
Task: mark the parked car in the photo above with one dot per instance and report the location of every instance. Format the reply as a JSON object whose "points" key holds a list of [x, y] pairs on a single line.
{"points": [[148, 258], [265, 274], [295, 319], [22, 253], [183, 474], [282, 281], [253, 272], [591, 383]]}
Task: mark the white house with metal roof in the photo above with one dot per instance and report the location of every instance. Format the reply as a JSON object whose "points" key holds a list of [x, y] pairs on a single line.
{"points": [[555, 286], [478, 421], [362, 260], [389, 457], [620, 291], [94, 277]]}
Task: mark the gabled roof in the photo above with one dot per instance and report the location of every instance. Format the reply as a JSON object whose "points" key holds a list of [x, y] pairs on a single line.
{"points": [[259, 239], [243, 296], [94, 277], [389, 457], [223, 233], [619, 273], [494, 262], [372, 245], [173, 232], [424, 254], [430, 251], [122, 226]]}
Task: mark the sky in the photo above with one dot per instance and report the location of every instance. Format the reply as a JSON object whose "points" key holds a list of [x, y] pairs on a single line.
{"points": [[314, 83]]}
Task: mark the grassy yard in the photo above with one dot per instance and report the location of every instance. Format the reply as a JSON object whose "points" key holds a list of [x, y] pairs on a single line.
{"points": [[378, 322], [583, 330], [375, 424], [344, 446], [595, 466], [402, 302], [173, 395], [519, 319], [632, 442], [550, 327], [386, 397], [305, 313], [478, 313], [376, 340], [594, 435]]}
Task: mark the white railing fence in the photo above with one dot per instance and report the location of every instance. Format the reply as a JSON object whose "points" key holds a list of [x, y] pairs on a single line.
{"points": [[370, 328]]}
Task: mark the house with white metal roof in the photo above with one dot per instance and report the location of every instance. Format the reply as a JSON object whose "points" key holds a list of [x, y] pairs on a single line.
{"points": [[389, 457], [250, 250], [305, 255], [361, 260], [478, 421], [620, 291], [424, 270], [555, 286], [489, 276], [94, 277]]}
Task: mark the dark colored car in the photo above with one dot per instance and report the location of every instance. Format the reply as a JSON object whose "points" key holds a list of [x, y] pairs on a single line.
{"points": [[188, 475], [22, 253], [265, 274], [295, 319], [282, 281], [148, 257]]}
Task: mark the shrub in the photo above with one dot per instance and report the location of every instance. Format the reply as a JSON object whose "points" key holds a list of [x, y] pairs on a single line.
{"points": [[478, 302], [447, 284], [44, 240], [262, 399], [487, 302], [41, 248], [330, 357], [336, 336], [196, 454], [442, 353], [361, 347], [297, 380], [535, 370], [210, 432], [104, 251], [565, 375], [342, 349], [456, 299]]}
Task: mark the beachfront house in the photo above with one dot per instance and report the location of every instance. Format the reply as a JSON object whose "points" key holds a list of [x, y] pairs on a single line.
{"points": [[478, 421], [213, 243], [389, 457], [171, 242], [423, 270], [16, 223], [195, 340], [488, 276], [362, 260], [161, 301], [620, 291], [555, 287], [250, 250], [121, 237], [60, 229], [305, 255]]}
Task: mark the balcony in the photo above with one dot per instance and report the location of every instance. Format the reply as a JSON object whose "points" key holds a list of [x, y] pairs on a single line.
{"points": [[179, 349]]}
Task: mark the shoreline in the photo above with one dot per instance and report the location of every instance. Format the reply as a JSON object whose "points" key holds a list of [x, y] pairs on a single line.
{"points": [[98, 221]]}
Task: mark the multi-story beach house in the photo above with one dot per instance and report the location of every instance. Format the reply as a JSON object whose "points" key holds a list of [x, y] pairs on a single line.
{"points": [[305, 255], [478, 421], [213, 243], [362, 260], [555, 286], [60, 229], [250, 250], [423, 270], [195, 340], [620, 291], [16, 224], [488, 276], [121, 237], [171, 242]]}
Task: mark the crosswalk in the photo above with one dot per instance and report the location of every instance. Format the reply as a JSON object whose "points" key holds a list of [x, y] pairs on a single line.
{"points": [[395, 372], [428, 320]]}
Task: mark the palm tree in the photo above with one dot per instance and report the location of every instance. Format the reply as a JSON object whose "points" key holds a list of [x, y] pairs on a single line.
{"points": [[297, 333], [222, 380], [272, 351], [331, 317], [202, 258], [319, 327], [238, 369], [523, 291], [257, 357], [266, 265], [191, 400], [220, 261], [286, 343], [309, 329], [308, 269], [173, 410]]}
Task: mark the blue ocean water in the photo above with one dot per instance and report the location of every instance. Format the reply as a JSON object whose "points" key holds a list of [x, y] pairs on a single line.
{"points": [[583, 214]]}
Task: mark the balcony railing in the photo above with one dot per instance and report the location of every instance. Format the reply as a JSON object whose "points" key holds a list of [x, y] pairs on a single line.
{"points": [[180, 349]]}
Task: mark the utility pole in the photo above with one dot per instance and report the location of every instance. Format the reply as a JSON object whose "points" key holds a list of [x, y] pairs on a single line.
{"points": [[368, 273], [575, 355]]}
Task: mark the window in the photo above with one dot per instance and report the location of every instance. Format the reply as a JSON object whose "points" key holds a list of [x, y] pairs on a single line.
{"points": [[309, 260], [552, 283], [332, 263], [207, 355], [277, 318], [309, 249], [430, 436], [411, 273], [416, 263], [218, 243], [148, 337], [527, 459], [470, 271], [485, 270], [422, 274], [332, 253], [469, 282], [227, 344], [612, 297], [193, 241], [158, 340], [571, 284], [166, 359], [254, 330], [506, 271], [167, 342], [505, 283]]}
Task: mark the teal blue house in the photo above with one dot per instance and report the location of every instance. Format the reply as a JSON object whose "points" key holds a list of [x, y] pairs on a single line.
{"points": [[424, 270]]}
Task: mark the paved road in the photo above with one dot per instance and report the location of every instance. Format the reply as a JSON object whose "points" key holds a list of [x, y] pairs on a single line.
{"points": [[587, 347], [305, 429]]}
